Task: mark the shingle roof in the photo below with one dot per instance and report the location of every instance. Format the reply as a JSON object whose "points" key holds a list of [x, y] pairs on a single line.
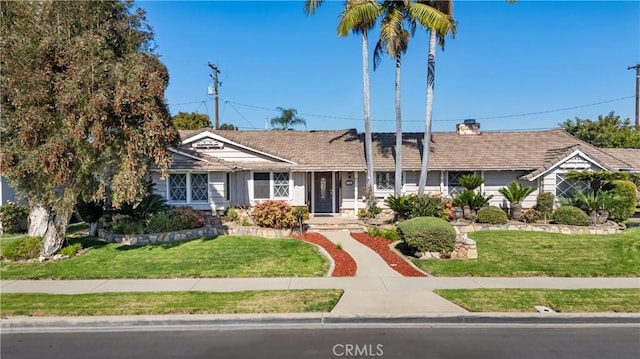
{"points": [[310, 150], [533, 150], [628, 155]]}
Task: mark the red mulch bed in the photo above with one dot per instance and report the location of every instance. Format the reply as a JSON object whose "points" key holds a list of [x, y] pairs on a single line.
{"points": [[381, 247], [345, 266]]}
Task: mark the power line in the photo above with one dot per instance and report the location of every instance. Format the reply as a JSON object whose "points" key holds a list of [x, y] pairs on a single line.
{"points": [[239, 114], [445, 120]]}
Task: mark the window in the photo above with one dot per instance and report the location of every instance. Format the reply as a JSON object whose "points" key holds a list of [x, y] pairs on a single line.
{"points": [[385, 180], [188, 187], [199, 187], [454, 185], [281, 185], [566, 187], [261, 185], [267, 185], [178, 187]]}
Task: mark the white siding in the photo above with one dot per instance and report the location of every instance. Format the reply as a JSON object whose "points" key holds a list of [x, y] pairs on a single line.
{"points": [[217, 190], [348, 191], [298, 194], [234, 154], [413, 177], [494, 180], [160, 184]]}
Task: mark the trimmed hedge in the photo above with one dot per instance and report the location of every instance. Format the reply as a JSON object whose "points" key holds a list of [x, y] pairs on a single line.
{"points": [[571, 215], [428, 234], [626, 206], [492, 215], [274, 214]]}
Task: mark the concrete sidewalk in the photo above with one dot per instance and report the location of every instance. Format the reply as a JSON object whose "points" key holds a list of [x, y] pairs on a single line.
{"points": [[364, 295]]}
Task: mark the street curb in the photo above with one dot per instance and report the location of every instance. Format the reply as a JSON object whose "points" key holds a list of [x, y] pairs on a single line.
{"points": [[20, 324]]}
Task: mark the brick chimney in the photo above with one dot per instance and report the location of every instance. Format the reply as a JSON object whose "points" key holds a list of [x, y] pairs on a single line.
{"points": [[469, 127]]}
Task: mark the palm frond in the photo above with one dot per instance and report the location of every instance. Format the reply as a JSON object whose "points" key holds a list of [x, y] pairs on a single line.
{"points": [[310, 6], [432, 19], [359, 16]]}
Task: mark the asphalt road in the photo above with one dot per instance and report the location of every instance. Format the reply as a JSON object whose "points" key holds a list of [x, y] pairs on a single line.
{"points": [[427, 343]]}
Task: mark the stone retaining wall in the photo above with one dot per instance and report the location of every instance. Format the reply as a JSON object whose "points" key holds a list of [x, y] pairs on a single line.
{"points": [[259, 231], [142, 239], [551, 228]]}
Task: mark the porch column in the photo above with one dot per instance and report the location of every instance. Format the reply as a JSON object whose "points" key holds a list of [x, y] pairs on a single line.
{"points": [[333, 192], [442, 182], [355, 194], [482, 185], [313, 193]]}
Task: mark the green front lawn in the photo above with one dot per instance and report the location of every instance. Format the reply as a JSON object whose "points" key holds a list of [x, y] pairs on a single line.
{"points": [[224, 256], [515, 254], [524, 300], [147, 303]]}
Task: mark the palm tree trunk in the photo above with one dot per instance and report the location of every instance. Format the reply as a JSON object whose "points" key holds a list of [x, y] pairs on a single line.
{"points": [[426, 146], [398, 174], [368, 148], [516, 211]]}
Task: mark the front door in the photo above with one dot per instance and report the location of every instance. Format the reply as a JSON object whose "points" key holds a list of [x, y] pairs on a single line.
{"points": [[323, 192]]}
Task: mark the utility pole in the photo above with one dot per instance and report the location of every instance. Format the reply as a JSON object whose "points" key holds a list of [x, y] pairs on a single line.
{"points": [[637, 67], [215, 70]]}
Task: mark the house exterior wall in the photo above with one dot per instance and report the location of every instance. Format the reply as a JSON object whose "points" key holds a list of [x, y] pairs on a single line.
{"points": [[215, 187], [348, 202], [299, 195], [7, 193], [578, 163], [413, 177], [495, 180], [233, 154]]}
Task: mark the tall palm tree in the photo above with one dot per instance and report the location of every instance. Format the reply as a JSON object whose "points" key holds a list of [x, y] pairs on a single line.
{"points": [[394, 40], [288, 117], [439, 31], [358, 16]]}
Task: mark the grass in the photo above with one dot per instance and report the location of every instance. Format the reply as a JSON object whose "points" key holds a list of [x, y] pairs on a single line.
{"points": [[224, 256], [146, 303], [513, 253], [524, 300]]}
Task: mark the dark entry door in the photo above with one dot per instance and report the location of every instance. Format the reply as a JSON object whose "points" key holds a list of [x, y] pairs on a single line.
{"points": [[323, 189]]}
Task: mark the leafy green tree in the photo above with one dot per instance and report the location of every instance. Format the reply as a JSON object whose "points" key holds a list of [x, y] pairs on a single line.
{"points": [[82, 107], [608, 131], [228, 127], [288, 118], [190, 121]]}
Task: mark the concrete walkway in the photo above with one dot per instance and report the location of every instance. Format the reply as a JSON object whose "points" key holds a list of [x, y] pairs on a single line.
{"points": [[369, 262], [363, 295]]}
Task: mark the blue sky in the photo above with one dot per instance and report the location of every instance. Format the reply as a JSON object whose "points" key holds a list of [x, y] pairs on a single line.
{"points": [[507, 62]]}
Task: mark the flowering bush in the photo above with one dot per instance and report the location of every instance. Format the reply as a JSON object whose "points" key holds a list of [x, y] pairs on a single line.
{"points": [[187, 217], [274, 214], [13, 217]]}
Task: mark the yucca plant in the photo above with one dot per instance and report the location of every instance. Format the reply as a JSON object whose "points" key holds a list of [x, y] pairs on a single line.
{"points": [[515, 193]]}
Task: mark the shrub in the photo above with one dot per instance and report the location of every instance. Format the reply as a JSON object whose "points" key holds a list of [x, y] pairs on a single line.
{"points": [[274, 214], [230, 214], [187, 217], [301, 212], [126, 225], [14, 217], [571, 215], [428, 234], [23, 249], [544, 203], [390, 234], [401, 205], [71, 250], [163, 222], [492, 214], [531, 215], [625, 206], [427, 206], [151, 203]]}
